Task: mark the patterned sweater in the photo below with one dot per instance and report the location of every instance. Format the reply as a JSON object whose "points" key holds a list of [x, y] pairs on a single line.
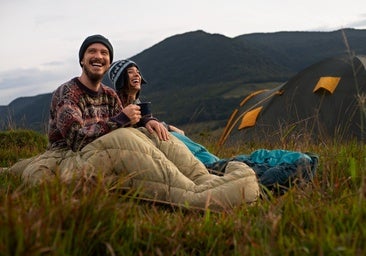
{"points": [[79, 115]]}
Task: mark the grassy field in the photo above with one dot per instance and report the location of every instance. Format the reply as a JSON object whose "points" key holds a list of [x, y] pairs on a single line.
{"points": [[325, 217]]}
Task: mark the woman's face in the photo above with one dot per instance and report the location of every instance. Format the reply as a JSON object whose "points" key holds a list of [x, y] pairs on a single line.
{"points": [[134, 78]]}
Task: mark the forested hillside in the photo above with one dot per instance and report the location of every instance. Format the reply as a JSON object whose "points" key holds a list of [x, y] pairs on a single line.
{"points": [[197, 77]]}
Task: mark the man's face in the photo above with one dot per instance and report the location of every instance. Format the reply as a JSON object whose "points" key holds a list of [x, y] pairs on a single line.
{"points": [[96, 61]]}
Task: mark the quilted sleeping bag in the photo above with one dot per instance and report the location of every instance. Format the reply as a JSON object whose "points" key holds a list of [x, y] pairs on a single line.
{"points": [[159, 170]]}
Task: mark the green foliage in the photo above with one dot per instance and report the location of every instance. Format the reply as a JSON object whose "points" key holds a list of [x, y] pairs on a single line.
{"points": [[17, 144], [325, 217]]}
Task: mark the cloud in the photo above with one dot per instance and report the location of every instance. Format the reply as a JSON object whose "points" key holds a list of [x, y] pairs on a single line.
{"points": [[33, 81], [36, 32], [361, 23]]}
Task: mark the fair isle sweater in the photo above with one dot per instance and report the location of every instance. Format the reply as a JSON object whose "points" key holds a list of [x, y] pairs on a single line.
{"points": [[79, 115]]}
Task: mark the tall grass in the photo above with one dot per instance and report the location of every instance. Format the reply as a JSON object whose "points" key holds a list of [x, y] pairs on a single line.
{"points": [[360, 97], [325, 217], [17, 144]]}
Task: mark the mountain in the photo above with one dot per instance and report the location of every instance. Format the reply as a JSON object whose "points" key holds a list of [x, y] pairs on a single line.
{"points": [[197, 77], [26, 112]]}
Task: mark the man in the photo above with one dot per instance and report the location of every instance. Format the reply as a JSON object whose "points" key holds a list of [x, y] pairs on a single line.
{"points": [[83, 109], [91, 137]]}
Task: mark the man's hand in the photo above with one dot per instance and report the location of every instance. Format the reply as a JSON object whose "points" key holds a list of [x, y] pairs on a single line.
{"points": [[132, 111], [160, 129]]}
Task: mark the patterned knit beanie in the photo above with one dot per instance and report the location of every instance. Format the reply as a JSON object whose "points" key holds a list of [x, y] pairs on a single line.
{"points": [[117, 71], [95, 39]]}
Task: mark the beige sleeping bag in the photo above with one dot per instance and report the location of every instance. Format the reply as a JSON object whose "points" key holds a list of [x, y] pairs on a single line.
{"points": [[161, 170]]}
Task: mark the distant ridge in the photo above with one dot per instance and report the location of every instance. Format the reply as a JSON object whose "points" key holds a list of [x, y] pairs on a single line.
{"points": [[198, 77]]}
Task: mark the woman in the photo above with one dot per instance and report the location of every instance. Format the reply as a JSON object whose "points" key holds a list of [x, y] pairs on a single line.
{"points": [[125, 77], [272, 167]]}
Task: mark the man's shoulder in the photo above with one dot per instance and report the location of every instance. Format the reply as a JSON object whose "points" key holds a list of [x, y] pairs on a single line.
{"points": [[65, 89], [70, 83]]}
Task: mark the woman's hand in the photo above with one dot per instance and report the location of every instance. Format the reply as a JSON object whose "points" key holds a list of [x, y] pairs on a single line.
{"points": [[159, 128], [132, 111]]}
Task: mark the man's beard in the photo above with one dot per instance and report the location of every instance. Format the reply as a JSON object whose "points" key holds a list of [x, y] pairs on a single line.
{"points": [[92, 76]]}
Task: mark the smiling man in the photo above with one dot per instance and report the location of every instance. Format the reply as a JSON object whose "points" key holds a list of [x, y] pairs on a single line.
{"points": [[95, 57], [82, 109]]}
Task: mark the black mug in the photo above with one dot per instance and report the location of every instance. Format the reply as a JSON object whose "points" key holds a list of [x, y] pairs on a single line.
{"points": [[145, 108]]}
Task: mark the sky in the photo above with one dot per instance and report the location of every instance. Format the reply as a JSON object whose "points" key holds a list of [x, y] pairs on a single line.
{"points": [[40, 39]]}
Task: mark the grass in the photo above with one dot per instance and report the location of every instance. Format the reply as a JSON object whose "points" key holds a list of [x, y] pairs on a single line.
{"points": [[326, 217], [18, 144]]}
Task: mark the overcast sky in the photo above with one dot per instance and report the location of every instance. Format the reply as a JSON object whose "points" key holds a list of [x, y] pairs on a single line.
{"points": [[40, 39]]}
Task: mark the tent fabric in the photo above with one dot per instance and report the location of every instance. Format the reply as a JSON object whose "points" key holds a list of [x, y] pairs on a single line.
{"points": [[327, 83], [254, 100], [322, 101], [250, 118]]}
